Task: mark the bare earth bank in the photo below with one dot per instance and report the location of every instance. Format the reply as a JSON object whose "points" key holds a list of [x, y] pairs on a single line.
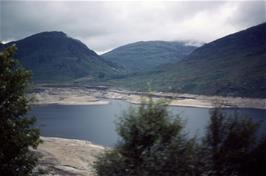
{"points": [[66, 157], [94, 96]]}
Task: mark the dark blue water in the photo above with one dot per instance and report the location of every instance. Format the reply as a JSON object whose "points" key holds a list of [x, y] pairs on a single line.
{"points": [[96, 123]]}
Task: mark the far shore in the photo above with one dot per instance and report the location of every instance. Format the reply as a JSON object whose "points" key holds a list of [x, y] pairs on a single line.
{"points": [[94, 96]]}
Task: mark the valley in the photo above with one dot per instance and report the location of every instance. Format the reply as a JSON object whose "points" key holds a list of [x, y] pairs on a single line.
{"points": [[132, 88], [232, 66]]}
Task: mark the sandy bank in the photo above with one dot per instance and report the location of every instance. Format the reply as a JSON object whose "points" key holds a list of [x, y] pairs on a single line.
{"points": [[79, 96], [66, 96], [67, 157]]}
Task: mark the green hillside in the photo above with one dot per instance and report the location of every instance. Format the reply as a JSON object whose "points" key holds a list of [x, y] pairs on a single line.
{"points": [[145, 56], [234, 65], [56, 57]]}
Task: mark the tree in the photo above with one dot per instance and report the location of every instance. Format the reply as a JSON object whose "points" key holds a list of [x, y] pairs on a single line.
{"points": [[256, 163], [231, 146], [152, 143], [17, 134]]}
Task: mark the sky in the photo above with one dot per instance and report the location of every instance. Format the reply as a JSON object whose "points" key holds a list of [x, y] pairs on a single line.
{"points": [[104, 25]]}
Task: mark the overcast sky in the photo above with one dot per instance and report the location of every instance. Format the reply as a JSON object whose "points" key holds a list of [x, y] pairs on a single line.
{"points": [[106, 25]]}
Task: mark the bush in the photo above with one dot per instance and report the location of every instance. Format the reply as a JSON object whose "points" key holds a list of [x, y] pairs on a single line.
{"points": [[152, 143], [16, 132], [231, 144]]}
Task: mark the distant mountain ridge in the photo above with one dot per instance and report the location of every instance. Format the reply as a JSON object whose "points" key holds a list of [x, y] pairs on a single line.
{"points": [[234, 65], [251, 40], [53, 56], [144, 56]]}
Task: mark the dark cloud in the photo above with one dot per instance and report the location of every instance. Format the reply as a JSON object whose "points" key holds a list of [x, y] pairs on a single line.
{"points": [[105, 25]]}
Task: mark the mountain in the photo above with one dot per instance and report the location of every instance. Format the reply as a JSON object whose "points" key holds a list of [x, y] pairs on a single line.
{"points": [[234, 65], [54, 56], [144, 56]]}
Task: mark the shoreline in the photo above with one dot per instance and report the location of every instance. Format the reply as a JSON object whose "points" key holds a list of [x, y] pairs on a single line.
{"points": [[93, 96], [62, 156], [100, 102]]}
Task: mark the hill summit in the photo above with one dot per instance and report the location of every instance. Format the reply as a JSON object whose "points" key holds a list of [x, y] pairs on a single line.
{"points": [[54, 56], [234, 65], [144, 56]]}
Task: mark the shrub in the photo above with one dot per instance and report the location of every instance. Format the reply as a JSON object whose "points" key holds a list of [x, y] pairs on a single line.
{"points": [[152, 143], [16, 132]]}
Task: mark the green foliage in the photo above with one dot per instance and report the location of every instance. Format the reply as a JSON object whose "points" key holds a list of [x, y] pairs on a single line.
{"points": [[231, 146], [152, 143], [16, 132]]}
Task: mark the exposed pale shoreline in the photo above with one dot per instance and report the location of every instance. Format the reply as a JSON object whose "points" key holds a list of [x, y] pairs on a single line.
{"points": [[93, 96], [60, 156]]}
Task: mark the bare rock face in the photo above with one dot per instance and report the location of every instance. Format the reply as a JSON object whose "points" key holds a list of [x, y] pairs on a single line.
{"points": [[66, 157]]}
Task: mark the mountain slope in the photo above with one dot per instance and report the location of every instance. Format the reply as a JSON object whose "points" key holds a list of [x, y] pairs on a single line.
{"points": [[234, 65], [144, 56], [53, 56]]}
